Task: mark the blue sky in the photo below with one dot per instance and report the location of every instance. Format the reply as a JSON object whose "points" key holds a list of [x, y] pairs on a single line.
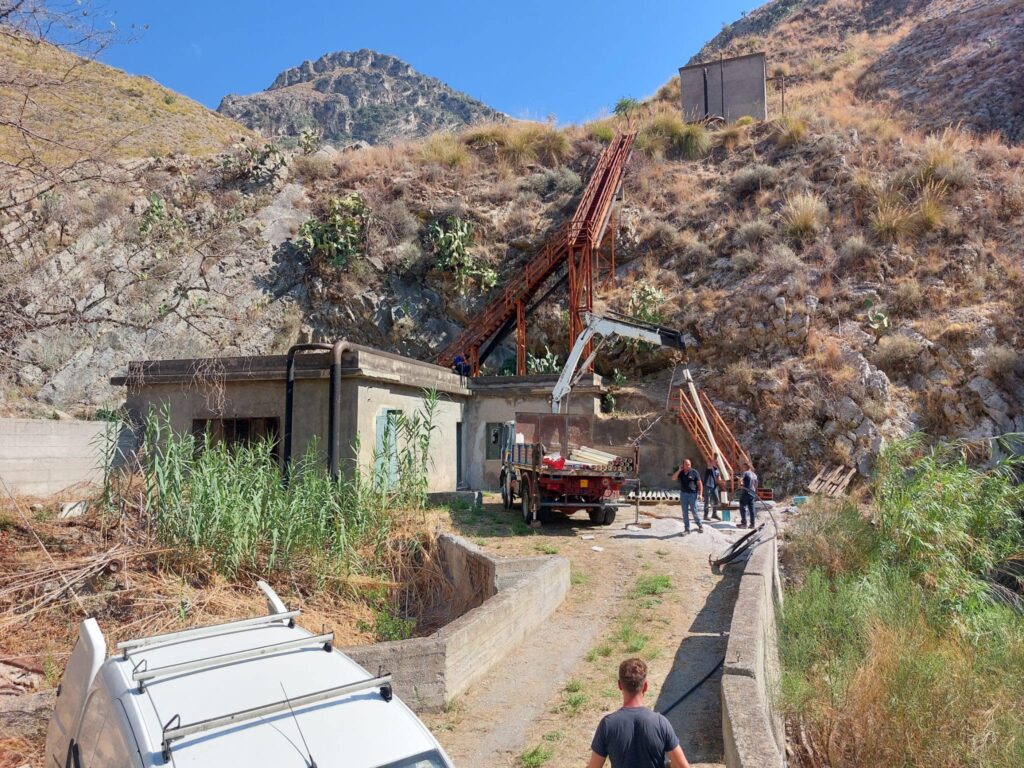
{"points": [[568, 58]]}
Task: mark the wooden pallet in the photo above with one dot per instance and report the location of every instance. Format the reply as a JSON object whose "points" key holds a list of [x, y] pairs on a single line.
{"points": [[832, 481]]}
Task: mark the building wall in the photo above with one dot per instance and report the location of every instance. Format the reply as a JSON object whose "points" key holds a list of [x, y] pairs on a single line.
{"points": [[40, 457], [373, 398], [744, 88], [489, 408], [361, 402]]}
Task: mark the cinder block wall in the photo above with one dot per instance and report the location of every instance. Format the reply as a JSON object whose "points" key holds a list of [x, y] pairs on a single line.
{"points": [[752, 729], [40, 457]]}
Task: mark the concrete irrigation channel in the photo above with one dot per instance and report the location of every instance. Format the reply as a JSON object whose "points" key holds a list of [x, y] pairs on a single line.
{"points": [[552, 690]]}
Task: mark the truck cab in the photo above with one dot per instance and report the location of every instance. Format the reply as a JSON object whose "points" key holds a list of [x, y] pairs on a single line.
{"points": [[257, 692]]}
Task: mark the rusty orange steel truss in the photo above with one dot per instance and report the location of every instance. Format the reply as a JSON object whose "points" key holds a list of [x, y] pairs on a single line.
{"points": [[731, 450], [584, 245]]}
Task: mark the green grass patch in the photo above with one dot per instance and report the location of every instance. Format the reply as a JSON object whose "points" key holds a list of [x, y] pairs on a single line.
{"points": [[537, 756], [651, 585], [546, 549]]}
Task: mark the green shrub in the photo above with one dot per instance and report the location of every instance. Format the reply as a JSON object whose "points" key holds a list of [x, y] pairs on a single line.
{"points": [[338, 235], [451, 240], [549, 362], [309, 139], [894, 642], [626, 106], [227, 505], [647, 302], [536, 757], [259, 164], [666, 135]]}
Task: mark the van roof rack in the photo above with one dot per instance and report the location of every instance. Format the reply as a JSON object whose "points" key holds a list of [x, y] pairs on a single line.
{"points": [[179, 731], [208, 631], [142, 674]]}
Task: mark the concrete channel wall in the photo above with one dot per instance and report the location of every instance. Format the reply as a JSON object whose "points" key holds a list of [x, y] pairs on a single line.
{"points": [[39, 457], [510, 598], [751, 727]]}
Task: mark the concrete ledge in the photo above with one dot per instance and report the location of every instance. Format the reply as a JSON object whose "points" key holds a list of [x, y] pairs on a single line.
{"points": [[510, 599], [745, 724], [752, 731]]}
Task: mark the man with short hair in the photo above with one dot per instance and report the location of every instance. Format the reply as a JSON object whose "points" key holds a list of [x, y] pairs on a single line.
{"points": [[748, 495], [634, 736], [690, 488], [711, 498]]}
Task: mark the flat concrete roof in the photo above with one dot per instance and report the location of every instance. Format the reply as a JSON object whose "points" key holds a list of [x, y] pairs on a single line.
{"points": [[357, 362], [538, 384]]}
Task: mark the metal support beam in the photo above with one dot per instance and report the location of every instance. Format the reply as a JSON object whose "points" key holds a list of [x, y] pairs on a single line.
{"points": [[521, 339]]}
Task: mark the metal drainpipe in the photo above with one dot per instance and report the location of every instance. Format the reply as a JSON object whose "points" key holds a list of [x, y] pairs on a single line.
{"points": [[334, 406]]}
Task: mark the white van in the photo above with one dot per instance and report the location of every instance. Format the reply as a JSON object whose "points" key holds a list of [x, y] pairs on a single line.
{"points": [[259, 692]]}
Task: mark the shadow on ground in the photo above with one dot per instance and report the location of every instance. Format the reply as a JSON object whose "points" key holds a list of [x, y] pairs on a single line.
{"points": [[493, 520], [696, 719]]}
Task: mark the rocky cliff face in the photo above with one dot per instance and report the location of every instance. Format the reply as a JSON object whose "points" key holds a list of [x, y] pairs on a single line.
{"points": [[356, 96]]}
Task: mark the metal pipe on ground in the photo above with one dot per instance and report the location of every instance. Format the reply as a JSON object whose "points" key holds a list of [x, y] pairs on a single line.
{"points": [[337, 349]]}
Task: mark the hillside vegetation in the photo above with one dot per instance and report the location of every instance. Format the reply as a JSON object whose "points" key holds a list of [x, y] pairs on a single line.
{"points": [[901, 635], [845, 276], [82, 104]]}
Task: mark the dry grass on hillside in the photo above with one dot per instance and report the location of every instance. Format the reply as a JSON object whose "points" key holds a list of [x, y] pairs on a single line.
{"points": [[88, 107]]}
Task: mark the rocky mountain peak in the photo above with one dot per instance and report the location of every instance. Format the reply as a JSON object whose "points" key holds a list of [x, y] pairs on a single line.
{"points": [[333, 63], [356, 96]]}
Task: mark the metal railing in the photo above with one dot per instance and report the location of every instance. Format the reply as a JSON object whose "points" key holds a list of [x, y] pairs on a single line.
{"points": [[585, 229]]}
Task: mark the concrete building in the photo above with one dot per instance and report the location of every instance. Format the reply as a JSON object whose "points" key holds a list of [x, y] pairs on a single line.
{"points": [[728, 88], [242, 398]]}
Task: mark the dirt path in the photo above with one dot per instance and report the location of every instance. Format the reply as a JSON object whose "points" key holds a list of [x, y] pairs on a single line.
{"points": [[649, 593]]}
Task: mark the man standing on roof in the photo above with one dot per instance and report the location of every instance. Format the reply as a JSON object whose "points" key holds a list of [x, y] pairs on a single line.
{"points": [[711, 498], [634, 736], [748, 495], [690, 488]]}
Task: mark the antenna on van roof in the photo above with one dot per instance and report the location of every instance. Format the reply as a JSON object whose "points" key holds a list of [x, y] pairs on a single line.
{"points": [[309, 755]]}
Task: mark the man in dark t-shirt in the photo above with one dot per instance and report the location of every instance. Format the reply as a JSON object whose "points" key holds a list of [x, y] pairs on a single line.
{"points": [[690, 489], [634, 736]]}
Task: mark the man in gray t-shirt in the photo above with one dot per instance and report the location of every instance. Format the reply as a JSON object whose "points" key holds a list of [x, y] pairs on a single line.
{"points": [[634, 736]]}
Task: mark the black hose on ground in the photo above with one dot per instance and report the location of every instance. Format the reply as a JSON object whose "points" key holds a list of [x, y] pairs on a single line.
{"points": [[694, 687], [746, 542]]}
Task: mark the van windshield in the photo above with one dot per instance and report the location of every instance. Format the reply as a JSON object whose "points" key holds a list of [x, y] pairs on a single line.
{"points": [[430, 759]]}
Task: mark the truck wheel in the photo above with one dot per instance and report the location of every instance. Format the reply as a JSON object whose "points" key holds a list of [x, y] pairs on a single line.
{"points": [[526, 501], [596, 515], [506, 490], [609, 515]]}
